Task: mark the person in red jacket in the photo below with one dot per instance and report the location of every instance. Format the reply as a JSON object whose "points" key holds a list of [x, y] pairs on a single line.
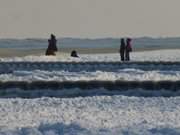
{"points": [[128, 49]]}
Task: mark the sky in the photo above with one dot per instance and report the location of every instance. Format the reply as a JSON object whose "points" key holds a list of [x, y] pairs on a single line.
{"points": [[89, 18]]}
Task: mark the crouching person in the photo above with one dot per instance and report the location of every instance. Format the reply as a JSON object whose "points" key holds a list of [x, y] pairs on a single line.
{"points": [[74, 54]]}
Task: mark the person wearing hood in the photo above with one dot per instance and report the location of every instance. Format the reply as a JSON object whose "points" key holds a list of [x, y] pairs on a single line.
{"points": [[52, 48]]}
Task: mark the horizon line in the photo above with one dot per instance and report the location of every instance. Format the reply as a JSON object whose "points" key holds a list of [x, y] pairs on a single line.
{"points": [[89, 38]]}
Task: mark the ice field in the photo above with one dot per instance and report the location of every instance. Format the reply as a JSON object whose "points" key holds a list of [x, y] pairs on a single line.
{"points": [[157, 55], [91, 95]]}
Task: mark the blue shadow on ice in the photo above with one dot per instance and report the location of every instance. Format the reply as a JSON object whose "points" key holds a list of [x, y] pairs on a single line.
{"points": [[49, 129], [75, 129], [165, 131]]}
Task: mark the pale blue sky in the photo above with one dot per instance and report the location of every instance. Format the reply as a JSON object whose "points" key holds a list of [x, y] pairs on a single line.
{"points": [[89, 18]]}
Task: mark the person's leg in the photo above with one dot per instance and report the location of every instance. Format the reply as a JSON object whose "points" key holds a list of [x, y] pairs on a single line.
{"points": [[122, 56], [127, 56]]}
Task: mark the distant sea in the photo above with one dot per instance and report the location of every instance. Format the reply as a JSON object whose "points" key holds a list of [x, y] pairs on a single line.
{"points": [[104, 43]]}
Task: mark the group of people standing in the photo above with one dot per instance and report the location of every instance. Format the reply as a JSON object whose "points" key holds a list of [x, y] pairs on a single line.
{"points": [[125, 49]]}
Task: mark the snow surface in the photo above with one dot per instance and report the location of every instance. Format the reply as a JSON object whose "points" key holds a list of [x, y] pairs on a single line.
{"points": [[91, 116], [60, 76], [98, 111], [126, 73], [158, 55]]}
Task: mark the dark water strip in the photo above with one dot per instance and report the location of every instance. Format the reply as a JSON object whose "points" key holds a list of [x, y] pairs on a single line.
{"points": [[109, 85], [98, 62]]}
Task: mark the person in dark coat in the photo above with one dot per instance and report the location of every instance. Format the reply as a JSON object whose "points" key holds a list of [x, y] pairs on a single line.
{"points": [[122, 49], [128, 49], [52, 48]]}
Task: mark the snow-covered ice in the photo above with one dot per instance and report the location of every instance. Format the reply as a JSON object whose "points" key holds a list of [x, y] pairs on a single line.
{"points": [[91, 115], [60, 76], [98, 111], [158, 55]]}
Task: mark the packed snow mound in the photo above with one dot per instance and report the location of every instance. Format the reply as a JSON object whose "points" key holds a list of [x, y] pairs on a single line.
{"points": [[158, 55]]}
